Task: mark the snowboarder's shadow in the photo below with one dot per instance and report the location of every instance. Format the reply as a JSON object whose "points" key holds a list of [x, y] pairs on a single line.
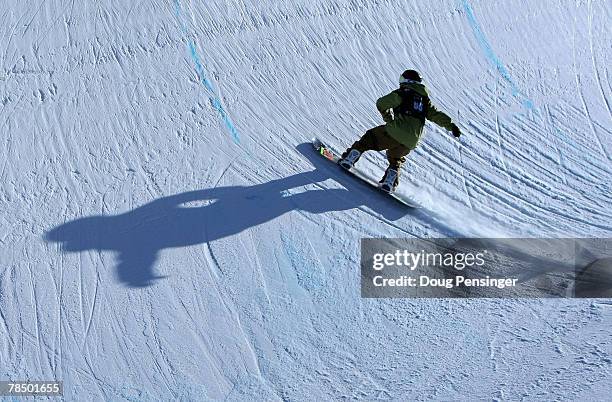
{"points": [[201, 216]]}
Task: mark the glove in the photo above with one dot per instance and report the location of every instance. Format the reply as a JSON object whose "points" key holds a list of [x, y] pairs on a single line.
{"points": [[387, 116], [455, 130]]}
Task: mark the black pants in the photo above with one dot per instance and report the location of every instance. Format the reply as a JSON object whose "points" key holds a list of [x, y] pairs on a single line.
{"points": [[377, 139]]}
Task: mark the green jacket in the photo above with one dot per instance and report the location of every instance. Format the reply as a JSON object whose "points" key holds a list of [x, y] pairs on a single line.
{"points": [[407, 129]]}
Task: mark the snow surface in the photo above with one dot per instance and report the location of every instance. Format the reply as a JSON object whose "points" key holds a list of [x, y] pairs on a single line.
{"points": [[166, 233]]}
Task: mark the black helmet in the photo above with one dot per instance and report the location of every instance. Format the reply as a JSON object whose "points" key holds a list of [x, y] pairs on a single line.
{"points": [[408, 76]]}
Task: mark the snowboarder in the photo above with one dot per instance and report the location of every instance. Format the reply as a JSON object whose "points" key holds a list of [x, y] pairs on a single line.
{"points": [[404, 112]]}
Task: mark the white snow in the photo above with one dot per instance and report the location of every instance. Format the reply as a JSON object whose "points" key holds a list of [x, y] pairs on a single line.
{"points": [[166, 234]]}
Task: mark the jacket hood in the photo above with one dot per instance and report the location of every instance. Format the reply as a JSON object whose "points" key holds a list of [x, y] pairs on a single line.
{"points": [[416, 86]]}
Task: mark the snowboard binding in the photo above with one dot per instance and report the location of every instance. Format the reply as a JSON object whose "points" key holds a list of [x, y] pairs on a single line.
{"points": [[389, 181], [348, 162]]}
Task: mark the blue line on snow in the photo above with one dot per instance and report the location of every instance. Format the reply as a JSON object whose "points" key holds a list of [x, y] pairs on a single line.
{"points": [[199, 68], [214, 99], [488, 51]]}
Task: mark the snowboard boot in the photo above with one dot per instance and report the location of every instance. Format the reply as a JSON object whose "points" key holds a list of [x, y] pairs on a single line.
{"points": [[349, 158], [389, 181]]}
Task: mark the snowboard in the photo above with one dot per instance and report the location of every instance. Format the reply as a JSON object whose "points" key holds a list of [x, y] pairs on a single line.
{"points": [[334, 156]]}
